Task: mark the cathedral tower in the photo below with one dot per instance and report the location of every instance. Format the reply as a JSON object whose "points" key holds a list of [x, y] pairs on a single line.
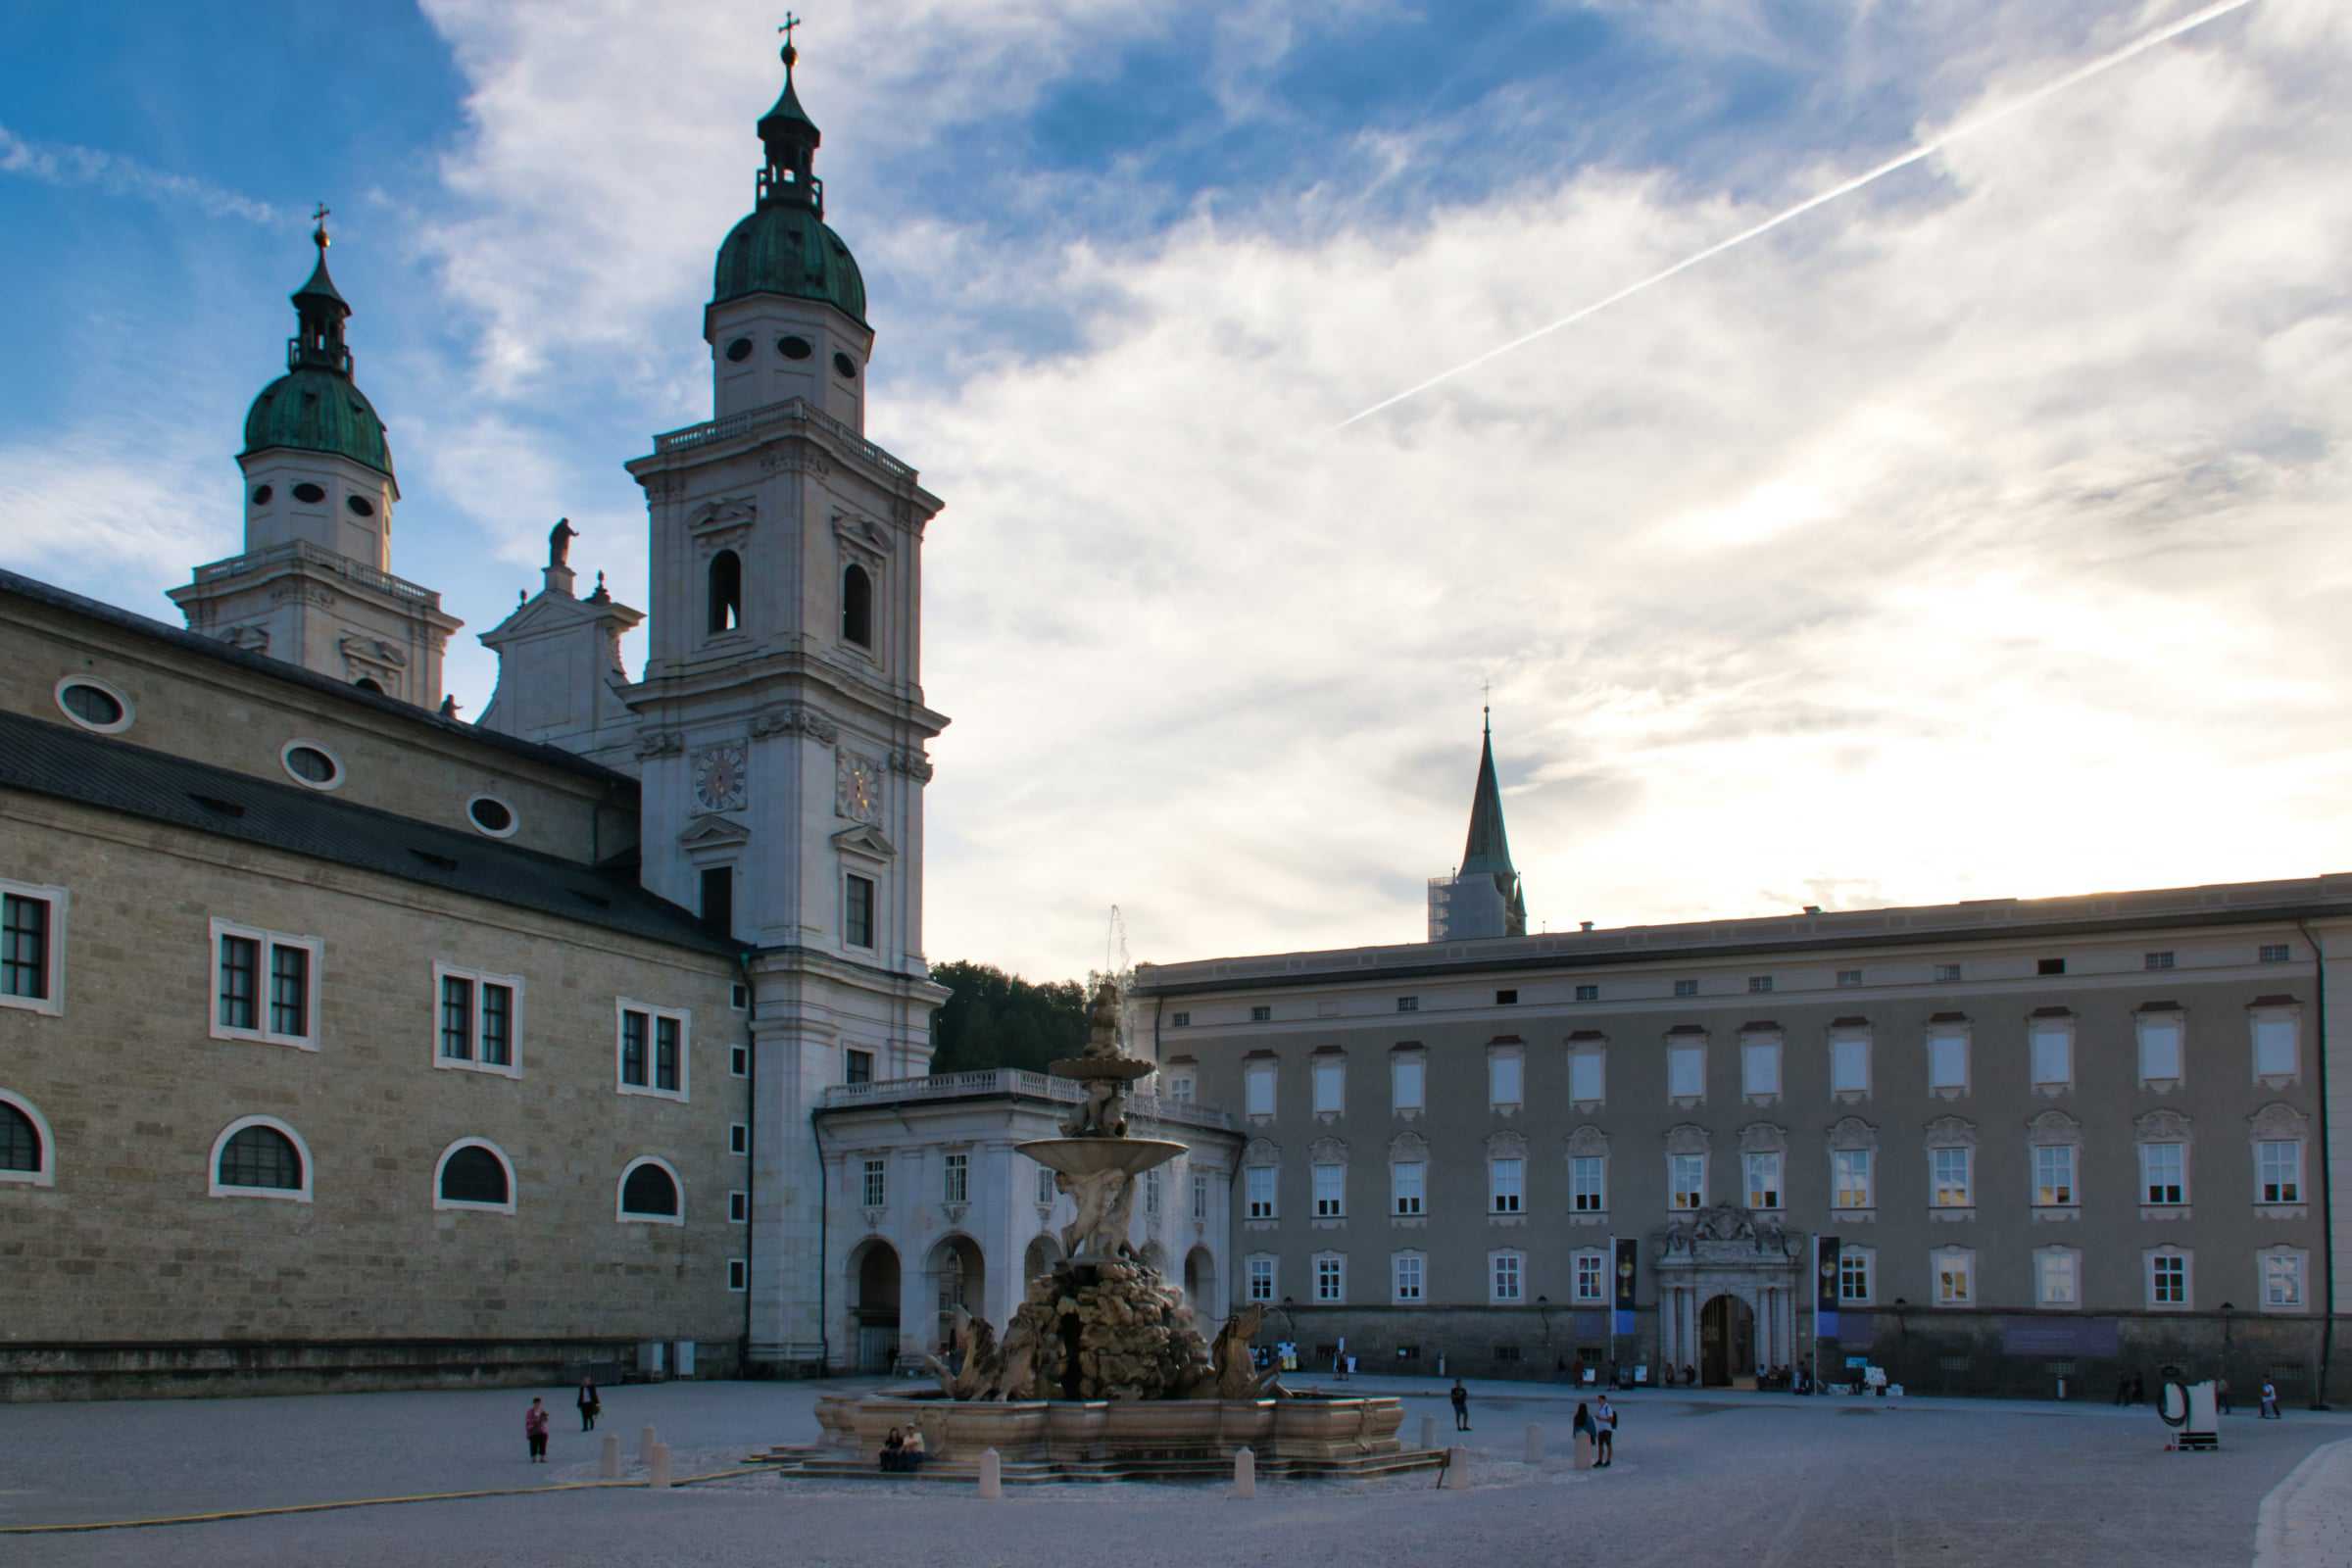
{"points": [[1484, 899]]}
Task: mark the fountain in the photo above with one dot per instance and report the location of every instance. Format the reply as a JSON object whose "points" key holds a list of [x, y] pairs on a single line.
{"points": [[1102, 1366]]}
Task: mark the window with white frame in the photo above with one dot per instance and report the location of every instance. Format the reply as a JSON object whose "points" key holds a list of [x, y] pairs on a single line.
{"points": [[1955, 1270], [1685, 1070], [2157, 960], [874, 1182], [1589, 1184], [1404, 1272], [738, 1138], [1260, 1272], [1182, 1087], [1507, 1186], [2279, 1170], [1583, 994], [1407, 1072], [477, 1020], [2164, 1174], [2278, 1044], [2283, 1279], [27, 1152], [650, 1193], [1045, 1185], [1330, 1277], [2168, 1276], [1331, 1085], [857, 1067], [1952, 1178], [2159, 1050], [2054, 1175], [739, 1208], [1759, 983], [1504, 1075], [1760, 1065], [2273, 953], [1592, 1278], [1588, 1074], [2053, 1053], [475, 1174], [1685, 988], [259, 1157], [1330, 1190], [1262, 1014], [1763, 1179], [265, 985], [1687, 1181], [1259, 1190], [1408, 1187], [1409, 1003], [2057, 1277], [1948, 1061], [1947, 974], [1855, 1266], [1849, 1061], [1201, 1195], [956, 1179], [1850, 1185], [33, 947], [857, 909], [1506, 1273], [1847, 979], [651, 1049], [1257, 1080], [1154, 1191]]}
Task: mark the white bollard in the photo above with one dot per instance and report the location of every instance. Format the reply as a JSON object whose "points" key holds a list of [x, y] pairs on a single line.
{"points": [[1535, 1443], [609, 1468], [645, 1447], [1429, 1432], [659, 1465], [1244, 1473], [992, 1476], [1458, 1469]]}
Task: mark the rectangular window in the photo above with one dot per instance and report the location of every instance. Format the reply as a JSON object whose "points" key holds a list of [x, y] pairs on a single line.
{"points": [[1947, 974], [1409, 1003], [2167, 1280], [738, 1062], [1408, 1187], [875, 1181], [1503, 1078], [1850, 1178], [2273, 953], [1686, 1071], [1181, 1087], [1687, 1181], [1849, 978], [1045, 1187], [1588, 1184], [267, 988], [1949, 1170], [1584, 1076], [1853, 1274], [1407, 1267], [2049, 966], [1262, 1014], [1259, 1189], [2053, 1053], [2158, 960], [2163, 1173], [1153, 1181], [718, 900], [1759, 983], [857, 911], [1262, 1279], [2054, 1176], [2276, 1048], [289, 991], [1180, 1020], [1850, 1064], [667, 1051], [1199, 1195], [1258, 1089], [739, 996], [738, 1138], [1955, 1277], [1588, 993], [1760, 1067], [857, 1067], [2057, 1279], [1331, 1085], [653, 1050], [1331, 1190], [2159, 1048], [1330, 1279], [739, 1208], [498, 1025], [29, 946], [1948, 1061], [474, 1020], [633, 1026], [1592, 1277], [2283, 1279], [738, 1274], [1507, 1184], [1763, 1181], [1506, 1276], [2280, 1167], [456, 1018], [957, 1187], [1506, 999], [1405, 1080], [1685, 988]]}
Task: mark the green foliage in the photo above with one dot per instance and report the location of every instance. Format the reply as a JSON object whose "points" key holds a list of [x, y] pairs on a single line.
{"points": [[997, 1019]]}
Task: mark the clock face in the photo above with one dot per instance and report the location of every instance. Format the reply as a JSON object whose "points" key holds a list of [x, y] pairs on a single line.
{"points": [[860, 788], [719, 778]]}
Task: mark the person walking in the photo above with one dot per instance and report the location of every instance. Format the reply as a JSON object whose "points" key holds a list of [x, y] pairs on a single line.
{"points": [[534, 1427], [2270, 1401], [1604, 1434], [591, 1404], [1462, 1405]]}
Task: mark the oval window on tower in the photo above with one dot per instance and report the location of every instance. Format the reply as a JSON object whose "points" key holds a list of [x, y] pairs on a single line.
{"points": [[261, 494], [93, 706], [738, 351], [360, 506], [794, 348], [309, 764], [492, 815], [309, 494], [845, 366]]}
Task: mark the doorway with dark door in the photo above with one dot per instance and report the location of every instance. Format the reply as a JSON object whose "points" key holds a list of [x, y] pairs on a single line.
{"points": [[1727, 1342]]}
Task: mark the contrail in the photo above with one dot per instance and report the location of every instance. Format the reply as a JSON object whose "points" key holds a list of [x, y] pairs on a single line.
{"points": [[62, 163], [1926, 149]]}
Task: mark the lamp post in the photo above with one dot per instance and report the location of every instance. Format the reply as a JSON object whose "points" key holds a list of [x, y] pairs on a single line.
{"points": [[1544, 1311], [2227, 1309]]}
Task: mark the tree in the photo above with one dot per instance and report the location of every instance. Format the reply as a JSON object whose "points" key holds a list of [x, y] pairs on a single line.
{"points": [[997, 1019]]}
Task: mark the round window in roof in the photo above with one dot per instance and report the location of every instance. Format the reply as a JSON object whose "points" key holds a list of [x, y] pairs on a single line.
{"points": [[738, 351], [312, 765], [845, 366], [261, 494], [794, 348], [309, 494], [93, 705], [492, 815], [360, 506]]}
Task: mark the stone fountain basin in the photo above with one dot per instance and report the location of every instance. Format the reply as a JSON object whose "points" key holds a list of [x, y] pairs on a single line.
{"points": [[1116, 1429], [1088, 1156]]}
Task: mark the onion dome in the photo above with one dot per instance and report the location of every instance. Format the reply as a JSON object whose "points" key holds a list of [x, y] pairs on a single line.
{"points": [[784, 247], [315, 407]]}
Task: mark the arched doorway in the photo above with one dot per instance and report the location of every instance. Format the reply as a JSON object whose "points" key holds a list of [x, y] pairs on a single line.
{"points": [[874, 1304], [958, 1277], [1727, 1342], [1201, 1282], [1044, 1253]]}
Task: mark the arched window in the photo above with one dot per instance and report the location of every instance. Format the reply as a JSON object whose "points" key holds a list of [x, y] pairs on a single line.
{"points": [[726, 592], [259, 1157], [473, 1174], [25, 1147], [366, 683], [648, 1191], [857, 606]]}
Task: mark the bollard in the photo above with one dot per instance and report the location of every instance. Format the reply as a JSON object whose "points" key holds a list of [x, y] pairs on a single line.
{"points": [[1457, 1470], [659, 1465], [992, 1476], [645, 1447], [1429, 1432], [1535, 1443], [609, 1469], [1244, 1473], [1583, 1450]]}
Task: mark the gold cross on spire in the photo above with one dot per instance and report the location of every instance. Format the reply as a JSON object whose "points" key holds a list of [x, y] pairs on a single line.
{"points": [[319, 216], [791, 55]]}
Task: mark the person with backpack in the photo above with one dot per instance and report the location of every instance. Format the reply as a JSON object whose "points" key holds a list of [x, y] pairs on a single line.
{"points": [[1461, 1406], [1604, 1434]]}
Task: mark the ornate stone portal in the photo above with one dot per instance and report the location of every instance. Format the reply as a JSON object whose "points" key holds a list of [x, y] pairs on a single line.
{"points": [[1728, 1251]]}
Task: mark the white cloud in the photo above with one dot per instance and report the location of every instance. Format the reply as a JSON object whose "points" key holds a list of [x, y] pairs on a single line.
{"points": [[118, 510], [64, 164]]}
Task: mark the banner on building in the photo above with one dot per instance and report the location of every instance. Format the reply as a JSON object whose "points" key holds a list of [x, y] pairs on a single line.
{"points": [[1627, 1252], [1825, 1283]]}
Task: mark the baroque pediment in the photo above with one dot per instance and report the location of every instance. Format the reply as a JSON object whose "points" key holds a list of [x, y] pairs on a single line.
{"points": [[865, 841], [709, 831]]}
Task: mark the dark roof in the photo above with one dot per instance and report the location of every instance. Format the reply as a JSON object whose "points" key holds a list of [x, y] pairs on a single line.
{"points": [[58, 761], [1488, 848], [57, 598]]}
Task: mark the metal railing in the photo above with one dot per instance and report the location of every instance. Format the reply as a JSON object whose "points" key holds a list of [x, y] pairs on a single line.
{"points": [[310, 554], [1013, 1081], [792, 410]]}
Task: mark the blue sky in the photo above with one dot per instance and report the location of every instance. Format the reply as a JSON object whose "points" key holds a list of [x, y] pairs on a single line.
{"points": [[1971, 537]]}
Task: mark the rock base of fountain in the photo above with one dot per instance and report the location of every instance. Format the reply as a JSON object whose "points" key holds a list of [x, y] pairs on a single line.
{"points": [[1111, 1331]]}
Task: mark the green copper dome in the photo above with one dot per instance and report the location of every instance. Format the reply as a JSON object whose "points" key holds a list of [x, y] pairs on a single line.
{"points": [[785, 248], [312, 409]]}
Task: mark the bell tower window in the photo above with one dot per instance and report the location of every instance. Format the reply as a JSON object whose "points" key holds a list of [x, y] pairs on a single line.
{"points": [[857, 606], [726, 592]]}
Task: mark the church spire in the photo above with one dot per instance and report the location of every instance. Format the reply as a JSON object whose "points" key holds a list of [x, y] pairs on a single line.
{"points": [[791, 138], [322, 311], [1487, 851]]}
